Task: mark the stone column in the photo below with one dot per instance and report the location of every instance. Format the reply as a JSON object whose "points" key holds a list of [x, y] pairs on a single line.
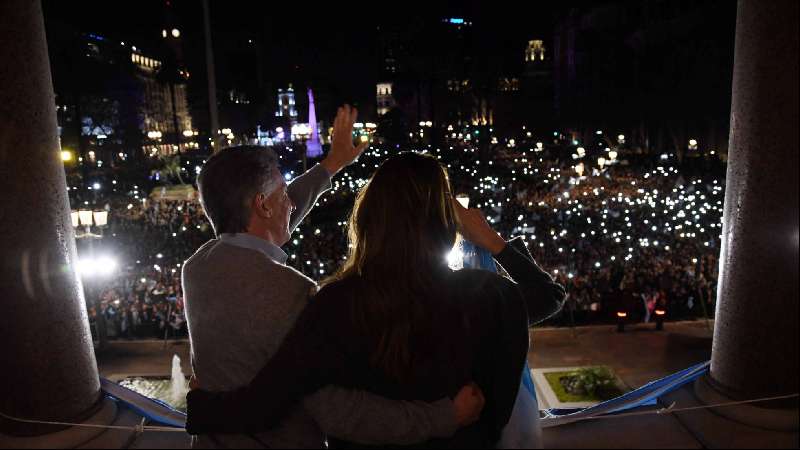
{"points": [[49, 370], [755, 351]]}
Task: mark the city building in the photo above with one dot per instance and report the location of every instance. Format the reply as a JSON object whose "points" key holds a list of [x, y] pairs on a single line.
{"points": [[164, 113], [287, 108], [117, 99], [384, 99], [611, 62]]}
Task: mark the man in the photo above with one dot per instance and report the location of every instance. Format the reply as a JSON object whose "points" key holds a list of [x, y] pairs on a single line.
{"points": [[241, 301]]}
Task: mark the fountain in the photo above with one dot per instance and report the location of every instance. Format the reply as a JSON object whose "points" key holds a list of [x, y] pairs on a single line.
{"points": [[178, 386], [171, 391]]}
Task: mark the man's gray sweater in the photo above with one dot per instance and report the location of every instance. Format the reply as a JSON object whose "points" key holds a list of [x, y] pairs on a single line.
{"points": [[241, 301]]}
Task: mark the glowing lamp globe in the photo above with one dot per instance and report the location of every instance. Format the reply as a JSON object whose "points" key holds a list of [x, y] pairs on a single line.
{"points": [[101, 218], [85, 217]]}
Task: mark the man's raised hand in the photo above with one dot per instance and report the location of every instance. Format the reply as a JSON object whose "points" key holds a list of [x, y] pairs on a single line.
{"points": [[343, 152]]}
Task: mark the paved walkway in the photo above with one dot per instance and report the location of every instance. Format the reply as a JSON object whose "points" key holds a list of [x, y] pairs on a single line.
{"points": [[637, 356]]}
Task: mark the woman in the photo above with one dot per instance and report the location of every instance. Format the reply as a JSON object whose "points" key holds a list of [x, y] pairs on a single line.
{"points": [[397, 321]]}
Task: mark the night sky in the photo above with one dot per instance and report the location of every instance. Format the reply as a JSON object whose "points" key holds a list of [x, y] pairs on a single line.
{"points": [[335, 45]]}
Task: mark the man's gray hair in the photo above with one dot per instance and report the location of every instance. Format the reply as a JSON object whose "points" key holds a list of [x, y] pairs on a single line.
{"points": [[228, 182]]}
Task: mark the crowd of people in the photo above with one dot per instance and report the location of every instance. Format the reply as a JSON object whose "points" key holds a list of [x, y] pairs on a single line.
{"points": [[640, 233], [144, 299], [636, 236]]}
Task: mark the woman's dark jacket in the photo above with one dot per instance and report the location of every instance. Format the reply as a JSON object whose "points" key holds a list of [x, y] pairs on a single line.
{"points": [[480, 334]]}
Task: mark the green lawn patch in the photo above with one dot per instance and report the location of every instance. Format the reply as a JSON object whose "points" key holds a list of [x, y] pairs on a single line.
{"points": [[593, 384]]}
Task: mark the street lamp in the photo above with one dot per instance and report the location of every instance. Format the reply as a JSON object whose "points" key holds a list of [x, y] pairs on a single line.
{"points": [[86, 218], [622, 317], [660, 315], [101, 218]]}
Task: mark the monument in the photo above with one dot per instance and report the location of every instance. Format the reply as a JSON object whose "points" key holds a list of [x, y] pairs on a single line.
{"points": [[313, 146]]}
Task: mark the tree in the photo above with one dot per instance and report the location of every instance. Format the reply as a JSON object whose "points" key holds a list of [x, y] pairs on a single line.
{"points": [[171, 168]]}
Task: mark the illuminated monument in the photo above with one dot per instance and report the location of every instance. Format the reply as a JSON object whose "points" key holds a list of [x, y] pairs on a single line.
{"points": [[313, 147]]}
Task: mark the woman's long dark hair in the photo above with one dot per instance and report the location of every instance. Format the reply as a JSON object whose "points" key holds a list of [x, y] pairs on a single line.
{"points": [[401, 229]]}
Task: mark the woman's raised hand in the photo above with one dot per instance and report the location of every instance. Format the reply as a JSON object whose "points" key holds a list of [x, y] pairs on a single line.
{"points": [[474, 227]]}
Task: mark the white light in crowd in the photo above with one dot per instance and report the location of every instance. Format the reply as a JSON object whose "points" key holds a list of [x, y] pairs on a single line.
{"points": [[580, 169], [159, 256], [613, 155], [176, 33], [102, 266], [287, 177], [188, 133], [581, 152], [164, 34]]}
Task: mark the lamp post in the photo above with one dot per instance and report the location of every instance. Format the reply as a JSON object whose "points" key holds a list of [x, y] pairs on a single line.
{"points": [[86, 218]]}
